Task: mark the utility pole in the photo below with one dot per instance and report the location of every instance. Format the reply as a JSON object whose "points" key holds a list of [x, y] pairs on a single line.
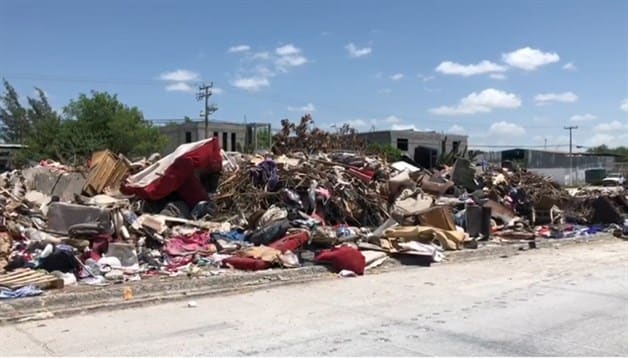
{"points": [[204, 92], [570, 128]]}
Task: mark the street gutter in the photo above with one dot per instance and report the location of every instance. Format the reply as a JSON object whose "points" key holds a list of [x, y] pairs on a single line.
{"points": [[81, 300]]}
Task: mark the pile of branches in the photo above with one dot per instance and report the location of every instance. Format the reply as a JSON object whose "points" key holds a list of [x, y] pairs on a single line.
{"points": [[351, 200], [303, 137]]}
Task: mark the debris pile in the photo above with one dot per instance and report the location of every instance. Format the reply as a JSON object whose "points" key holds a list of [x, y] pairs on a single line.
{"points": [[201, 211]]}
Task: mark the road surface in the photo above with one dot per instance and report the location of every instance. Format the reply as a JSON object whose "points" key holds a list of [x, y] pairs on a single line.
{"points": [[565, 301]]}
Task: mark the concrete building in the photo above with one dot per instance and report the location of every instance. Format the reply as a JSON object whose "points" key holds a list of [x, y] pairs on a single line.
{"points": [[423, 147], [232, 136], [560, 166]]}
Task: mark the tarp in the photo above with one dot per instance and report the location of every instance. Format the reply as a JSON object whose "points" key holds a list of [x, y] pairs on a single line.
{"points": [[175, 172]]}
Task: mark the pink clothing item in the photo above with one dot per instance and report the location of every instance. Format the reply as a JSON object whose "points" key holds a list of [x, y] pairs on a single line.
{"points": [[189, 245]]}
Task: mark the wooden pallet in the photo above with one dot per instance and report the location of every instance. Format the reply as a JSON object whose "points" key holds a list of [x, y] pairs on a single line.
{"points": [[25, 277], [107, 171]]}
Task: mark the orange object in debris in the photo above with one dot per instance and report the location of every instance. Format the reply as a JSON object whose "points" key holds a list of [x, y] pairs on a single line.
{"points": [[127, 293]]}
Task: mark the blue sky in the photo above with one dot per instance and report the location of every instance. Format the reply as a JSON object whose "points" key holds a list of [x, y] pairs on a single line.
{"points": [[503, 72]]}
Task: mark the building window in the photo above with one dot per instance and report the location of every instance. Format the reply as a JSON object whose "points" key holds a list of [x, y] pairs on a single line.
{"points": [[455, 146], [225, 137], [233, 142], [402, 144], [188, 137]]}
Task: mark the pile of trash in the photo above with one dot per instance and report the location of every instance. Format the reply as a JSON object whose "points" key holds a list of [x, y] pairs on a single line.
{"points": [[201, 211]]}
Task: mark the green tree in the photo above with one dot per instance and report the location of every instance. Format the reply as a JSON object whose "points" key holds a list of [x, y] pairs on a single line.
{"points": [[89, 123], [101, 121], [604, 149], [386, 151], [263, 139], [45, 125], [13, 115]]}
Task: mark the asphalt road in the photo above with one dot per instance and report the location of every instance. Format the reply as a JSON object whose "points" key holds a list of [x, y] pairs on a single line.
{"points": [[565, 301]]}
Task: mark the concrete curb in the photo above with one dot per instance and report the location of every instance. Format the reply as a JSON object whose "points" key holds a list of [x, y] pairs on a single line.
{"points": [[153, 291]]}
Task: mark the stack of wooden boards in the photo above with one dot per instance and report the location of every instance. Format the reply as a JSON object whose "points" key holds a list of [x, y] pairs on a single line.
{"points": [[25, 277]]}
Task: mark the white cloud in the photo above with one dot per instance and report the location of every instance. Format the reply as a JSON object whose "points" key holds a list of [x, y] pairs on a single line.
{"points": [[483, 102], [457, 129], [453, 68], [392, 120], [307, 108], [565, 97], [356, 52], [261, 56], [262, 66], [291, 61], [569, 66], [179, 76], [217, 90], [529, 59], [251, 84], [504, 128], [424, 78], [179, 87], [612, 134], [384, 91], [497, 76], [583, 117], [287, 50], [396, 76], [403, 127], [624, 105], [599, 139], [365, 124], [611, 127], [357, 123], [325, 33], [289, 56], [239, 48]]}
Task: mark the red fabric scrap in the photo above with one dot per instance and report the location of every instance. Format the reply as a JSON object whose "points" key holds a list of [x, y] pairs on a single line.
{"points": [[245, 263], [291, 242], [343, 258], [99, 245], [189, 245]]}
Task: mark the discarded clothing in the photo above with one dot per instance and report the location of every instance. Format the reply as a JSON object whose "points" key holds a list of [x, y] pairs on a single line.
{"points": [[245, 263], [291, 242], [26, 291], [62, 259], [233, 235], [270, 233], [189, 245], [266, 174]]}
